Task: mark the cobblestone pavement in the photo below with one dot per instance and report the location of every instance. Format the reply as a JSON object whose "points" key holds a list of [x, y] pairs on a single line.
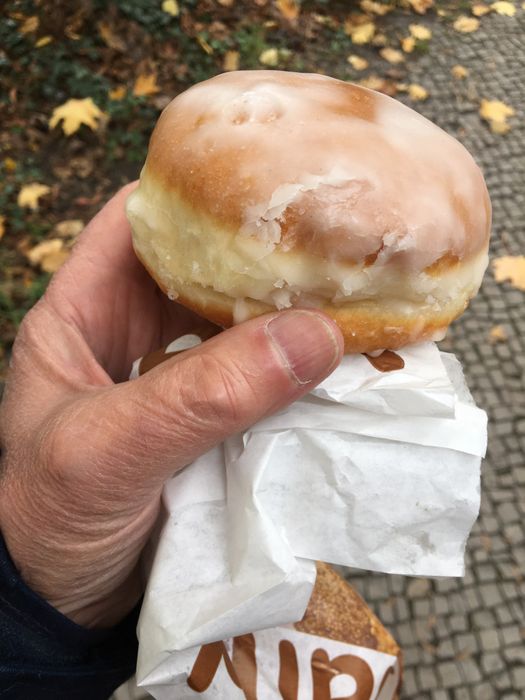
{"points": [[465, 638]]}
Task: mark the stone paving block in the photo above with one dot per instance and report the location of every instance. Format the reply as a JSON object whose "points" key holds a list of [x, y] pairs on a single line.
{"points": [[518, 678], [490, 640], [449, 674], [427, 678]]}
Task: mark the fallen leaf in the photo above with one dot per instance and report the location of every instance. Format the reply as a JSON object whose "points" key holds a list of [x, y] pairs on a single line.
{"points": [[466, 25], [379, 40], [171, 7], [289, 9], [43, 41], [375, 8], [421, 6], [362, 33], [357, 62], [392, 55], [48, 255], [408, 44], [231, 60], [459, 72], [2, 226], [109, 37], [503, 8], [69, 228], [118, 93], [9, 164], [375, 82], [417, 92], [226, 3], [30, 194], [498, 334], [479, 10], [74, 113], [419, 31], [496, 112], [511, 268], [145, 85], [201, 41], [269, 57], [29, 25]]}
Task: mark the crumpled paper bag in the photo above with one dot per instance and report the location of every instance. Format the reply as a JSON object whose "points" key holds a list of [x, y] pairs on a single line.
{"points": [[370, 470]]}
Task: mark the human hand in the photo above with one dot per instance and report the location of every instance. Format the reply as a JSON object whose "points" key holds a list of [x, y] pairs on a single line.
{"points": [[85, 457]]}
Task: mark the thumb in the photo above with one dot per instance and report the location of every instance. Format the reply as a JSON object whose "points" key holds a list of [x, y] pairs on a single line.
{"points": [[146, 429]]}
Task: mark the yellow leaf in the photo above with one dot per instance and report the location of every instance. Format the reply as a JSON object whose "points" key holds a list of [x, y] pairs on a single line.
{"points": [[48, 255], [511, 268], [372, 82], [375, 8], [419, 31], [29, 25], [357, 62], [421, 6], [30, 194], [145, 85], [269, 57], [109, 37], [417, 92], [392, 55], [408, 44], [459, 72], [497, 334], [118, 93], [2, 226], [288, 8], [479, 10], [362, 33], [231, 60], [204, 45], [74, 113], [9, 164], [466, 25], [69, 228], [171, 7], [504, 8], [379, 40], [43, 41], [496, 113]]}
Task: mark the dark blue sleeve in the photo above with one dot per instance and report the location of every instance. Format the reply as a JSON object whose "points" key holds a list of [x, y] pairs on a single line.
{"points": [[46, 656]]}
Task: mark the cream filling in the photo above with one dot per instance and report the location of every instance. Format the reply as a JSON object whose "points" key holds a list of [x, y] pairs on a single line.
{"points": [[184, 248]]}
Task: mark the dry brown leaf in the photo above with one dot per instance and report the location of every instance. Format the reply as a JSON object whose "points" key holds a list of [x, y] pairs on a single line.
{"points": [[510, 268], [171, 7], [375, 82], [29, 25], [145, 85], [69, 228], [289, 9], [48, 255], [498, 334], [392, 55], [459, 72], [375, 8], [466, 25], [357, 62], [503, 8], [362, 33], [417, 92], [109, 37], [43, 41], [226, 3], [408, 44], [269, 57], [118, 93], [420, 32], [231, 60], [496, 113], [74, 113], [479, 9], [2, 226], [9, 164], [421, 6], [30, 194]]}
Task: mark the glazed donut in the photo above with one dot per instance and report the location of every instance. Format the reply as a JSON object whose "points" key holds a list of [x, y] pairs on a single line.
{"points": [[265, 190]]}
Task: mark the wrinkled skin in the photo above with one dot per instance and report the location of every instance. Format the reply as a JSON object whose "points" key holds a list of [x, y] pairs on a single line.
{"points": [[85, 453]]}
